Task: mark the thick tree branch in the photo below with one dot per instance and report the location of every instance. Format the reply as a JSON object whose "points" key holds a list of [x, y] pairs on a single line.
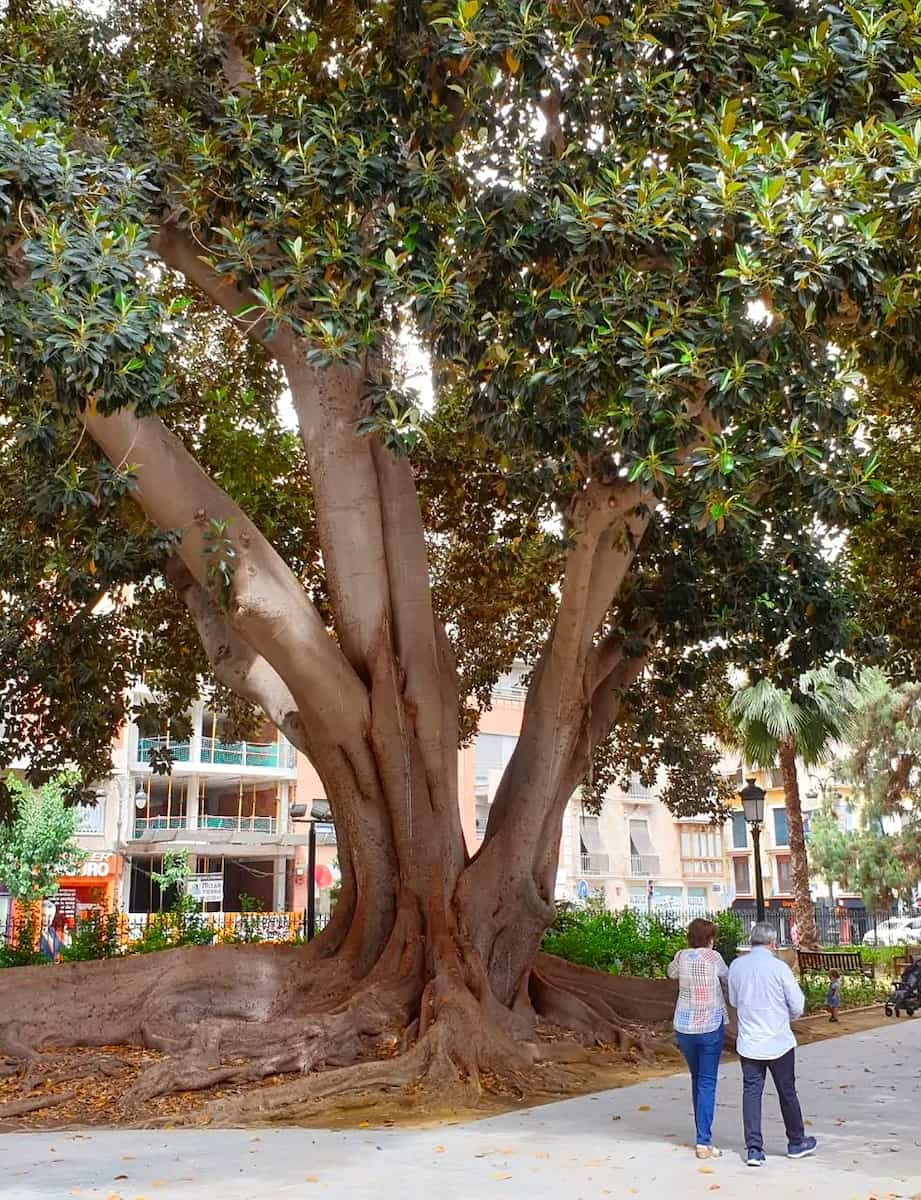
{"points": [[431, 680], [237, 71], [178, 249], [234, 661], [347, 499], [268, 607]]}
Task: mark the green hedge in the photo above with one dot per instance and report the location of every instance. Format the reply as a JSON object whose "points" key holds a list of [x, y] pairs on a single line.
{"points": [[627, 942], [856, 991]]}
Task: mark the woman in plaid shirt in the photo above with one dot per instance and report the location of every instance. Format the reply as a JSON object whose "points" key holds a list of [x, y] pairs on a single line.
{"points": [[700, 1023]]}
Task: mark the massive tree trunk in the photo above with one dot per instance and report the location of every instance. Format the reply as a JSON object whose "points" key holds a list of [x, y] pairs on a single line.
{"points": [[799, 861]]}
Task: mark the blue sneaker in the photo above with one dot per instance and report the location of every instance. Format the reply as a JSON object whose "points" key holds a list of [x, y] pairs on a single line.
{"points": [[755, 1158], [801, 1149]]}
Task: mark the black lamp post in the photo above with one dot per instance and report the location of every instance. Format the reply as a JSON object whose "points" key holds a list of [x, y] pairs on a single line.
{"points": [[320, 813], [752, 798]]}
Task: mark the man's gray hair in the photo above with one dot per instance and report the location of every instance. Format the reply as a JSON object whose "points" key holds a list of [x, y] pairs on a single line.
{"points": [[763, 934]]}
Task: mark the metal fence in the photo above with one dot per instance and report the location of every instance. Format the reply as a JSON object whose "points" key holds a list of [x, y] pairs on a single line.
{"points": [[835, 926], [125, 933]]}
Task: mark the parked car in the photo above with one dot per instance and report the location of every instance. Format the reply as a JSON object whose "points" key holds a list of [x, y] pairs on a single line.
{"points": [[897, 931]]}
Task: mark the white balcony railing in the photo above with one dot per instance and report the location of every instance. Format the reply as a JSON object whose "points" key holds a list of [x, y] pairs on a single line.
{"points": [[702, 866], [595, 864], [644, 866], [269, 755], [240, 824], [144, 825]]}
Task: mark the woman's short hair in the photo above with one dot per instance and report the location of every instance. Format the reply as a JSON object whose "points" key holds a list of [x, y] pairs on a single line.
{"points": [[701, 933]]}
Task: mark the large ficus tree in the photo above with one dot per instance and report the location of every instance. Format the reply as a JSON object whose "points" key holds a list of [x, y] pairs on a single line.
{"points": [[625, 236]]}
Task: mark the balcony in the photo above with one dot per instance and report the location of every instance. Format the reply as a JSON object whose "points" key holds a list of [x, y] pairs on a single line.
{"points": [[241, 824], [644, 866], [144, 825], [699, 867], [249, 755], [595, 864], [181, 751], [238, 824], [245, 754]]}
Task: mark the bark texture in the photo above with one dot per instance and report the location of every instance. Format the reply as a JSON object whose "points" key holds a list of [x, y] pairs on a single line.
{"points": [[799, 861]]}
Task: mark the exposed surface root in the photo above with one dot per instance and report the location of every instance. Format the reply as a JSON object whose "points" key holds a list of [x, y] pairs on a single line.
{"points": [[30, 1104], [235, 1016]]}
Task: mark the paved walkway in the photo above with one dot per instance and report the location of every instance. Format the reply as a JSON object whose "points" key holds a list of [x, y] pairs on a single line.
{"points": [[862, 1094]]}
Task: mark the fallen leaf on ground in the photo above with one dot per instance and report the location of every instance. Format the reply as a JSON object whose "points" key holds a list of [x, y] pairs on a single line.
{"points": [[503, 1175], [714, 1187], [311, 1179], [705, 1170], [643, 1108], [439, 1149], [542, 1154]]}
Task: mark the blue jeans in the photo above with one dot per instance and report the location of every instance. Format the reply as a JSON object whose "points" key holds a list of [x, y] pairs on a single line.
{"points": [[702, 1053]]}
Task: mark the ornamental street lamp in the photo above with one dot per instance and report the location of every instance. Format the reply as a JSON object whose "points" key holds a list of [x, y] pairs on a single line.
{"points": [[752, 798]]}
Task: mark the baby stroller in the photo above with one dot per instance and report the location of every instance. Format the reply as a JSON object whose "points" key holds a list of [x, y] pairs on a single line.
{"points": [[907, 994]]}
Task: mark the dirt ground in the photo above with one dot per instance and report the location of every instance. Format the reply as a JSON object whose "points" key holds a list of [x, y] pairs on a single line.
{"points": [[85, 1088]]}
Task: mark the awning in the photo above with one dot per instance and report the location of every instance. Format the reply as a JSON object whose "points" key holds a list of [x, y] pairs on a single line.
{"points": [[639, 837], [591, 835]]}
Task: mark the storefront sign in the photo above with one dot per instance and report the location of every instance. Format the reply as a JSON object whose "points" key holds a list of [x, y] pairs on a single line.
{"points": [[99, 865], [209, 889]]}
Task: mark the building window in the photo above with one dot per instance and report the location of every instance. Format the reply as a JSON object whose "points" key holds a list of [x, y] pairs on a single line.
{"points": [[697, 899], [89, 817], [781, 836], [594, 859], [739, 831], [784, 877], [643, 857], [701, 850], [742, 876], [491, 755], [776, 777]]}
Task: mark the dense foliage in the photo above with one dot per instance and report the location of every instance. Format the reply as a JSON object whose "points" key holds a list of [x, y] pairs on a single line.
{"points": [[625, 237], [627, 942]]}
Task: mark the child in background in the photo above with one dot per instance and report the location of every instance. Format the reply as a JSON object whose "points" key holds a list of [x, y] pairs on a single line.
{"points": [[833, 995]]}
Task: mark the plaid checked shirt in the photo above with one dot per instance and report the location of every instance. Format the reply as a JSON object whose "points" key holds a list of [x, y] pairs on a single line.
{"points": [[701, 1006]]}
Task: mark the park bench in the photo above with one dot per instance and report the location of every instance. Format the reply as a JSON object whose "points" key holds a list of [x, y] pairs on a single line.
{"points": [[848, 962]]}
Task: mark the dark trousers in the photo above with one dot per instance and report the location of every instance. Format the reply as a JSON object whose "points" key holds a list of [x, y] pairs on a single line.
{"points": [[702, 1054], [783, 1072]]}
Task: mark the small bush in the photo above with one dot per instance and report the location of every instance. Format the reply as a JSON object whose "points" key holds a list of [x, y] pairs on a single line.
{"points": [[183, 925], [21, 949], [95, 936], [729, 934], [623, 943], [627, 942]]}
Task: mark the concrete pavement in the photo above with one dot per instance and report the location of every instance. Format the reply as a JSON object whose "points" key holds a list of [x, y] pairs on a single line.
{"points": [[862, 1095]]}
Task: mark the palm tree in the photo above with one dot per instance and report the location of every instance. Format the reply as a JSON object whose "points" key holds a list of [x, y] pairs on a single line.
{"points": [[776, 725]]}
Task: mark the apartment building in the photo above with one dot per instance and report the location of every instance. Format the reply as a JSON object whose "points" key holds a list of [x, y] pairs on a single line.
{"points": [[226, 802], [633, 853]]}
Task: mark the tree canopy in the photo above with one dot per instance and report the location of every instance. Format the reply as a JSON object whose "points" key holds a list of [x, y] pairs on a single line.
{"points": [[572, 211]]}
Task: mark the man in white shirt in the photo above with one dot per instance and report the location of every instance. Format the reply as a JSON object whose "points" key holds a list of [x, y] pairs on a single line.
{"points": [[766, 998]]}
